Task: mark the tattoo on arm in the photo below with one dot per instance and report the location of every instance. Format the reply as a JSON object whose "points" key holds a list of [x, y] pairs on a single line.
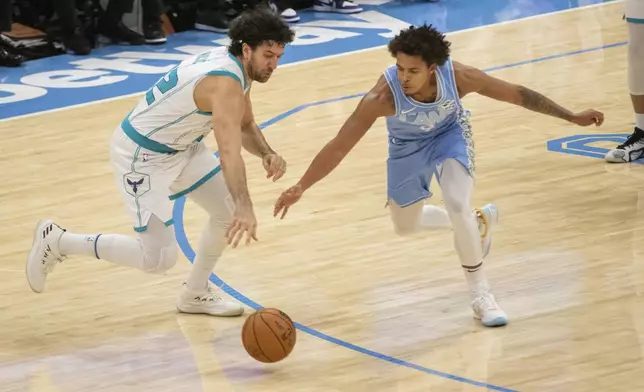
{"points": [[535, 101]]}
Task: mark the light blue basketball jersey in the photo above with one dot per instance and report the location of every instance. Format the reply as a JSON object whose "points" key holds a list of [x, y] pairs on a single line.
{"points": [[417, 120], [423, 135]]}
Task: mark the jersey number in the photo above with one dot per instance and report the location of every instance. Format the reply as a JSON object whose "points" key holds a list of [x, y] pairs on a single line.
{"points": [[163, 85]]}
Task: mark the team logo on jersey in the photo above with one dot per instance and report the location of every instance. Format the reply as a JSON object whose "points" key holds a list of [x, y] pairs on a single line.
{"points": [[429, 119], [136, 184]]}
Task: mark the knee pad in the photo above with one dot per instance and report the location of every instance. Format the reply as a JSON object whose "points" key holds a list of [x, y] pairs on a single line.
{"points": [[636, 58], [160, 260]]}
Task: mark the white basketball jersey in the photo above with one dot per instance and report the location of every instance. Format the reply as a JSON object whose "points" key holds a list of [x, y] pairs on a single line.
{"points": [[167, 119]]}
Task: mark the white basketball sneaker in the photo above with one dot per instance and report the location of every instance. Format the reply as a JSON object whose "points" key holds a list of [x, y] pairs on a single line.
{"points": [[44, 255], [207, 301], [632, 149], [487, 216], [488, 311]]}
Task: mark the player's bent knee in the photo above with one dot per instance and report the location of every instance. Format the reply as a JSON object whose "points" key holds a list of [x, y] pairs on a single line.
{"points": [[160, 260]]}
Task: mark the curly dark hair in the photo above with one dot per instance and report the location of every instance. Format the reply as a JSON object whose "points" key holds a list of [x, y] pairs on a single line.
{"points": [[424, 41], [256, 26]]}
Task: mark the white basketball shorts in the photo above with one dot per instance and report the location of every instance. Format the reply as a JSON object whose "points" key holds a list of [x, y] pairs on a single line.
{"points": [[150, 181], [635, 11]]}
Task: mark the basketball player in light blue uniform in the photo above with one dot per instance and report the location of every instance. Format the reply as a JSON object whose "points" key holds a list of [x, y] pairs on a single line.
{"points": [[430, 134], [157, 155]]}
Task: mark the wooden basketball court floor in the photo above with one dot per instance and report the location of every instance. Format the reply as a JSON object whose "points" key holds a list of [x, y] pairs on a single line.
{"points": [[377, 313]]}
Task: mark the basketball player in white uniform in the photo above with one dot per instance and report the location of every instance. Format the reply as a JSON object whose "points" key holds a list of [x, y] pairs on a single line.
{"points": [[430, 134], [157, 156], [633, 147]]}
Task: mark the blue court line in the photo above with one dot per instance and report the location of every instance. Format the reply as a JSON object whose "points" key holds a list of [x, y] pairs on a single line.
{"points": [[190, 254], [187, 250], [297, 109], [579, 145], [557, 56]]}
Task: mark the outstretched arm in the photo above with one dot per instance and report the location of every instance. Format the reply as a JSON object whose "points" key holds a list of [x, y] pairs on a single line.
{"points": [[353, 129], [224, 97], [376, 103], [473, 80]]}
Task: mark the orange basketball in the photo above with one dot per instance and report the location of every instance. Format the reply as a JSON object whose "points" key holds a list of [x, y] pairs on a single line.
{"points": [[268, 335]]}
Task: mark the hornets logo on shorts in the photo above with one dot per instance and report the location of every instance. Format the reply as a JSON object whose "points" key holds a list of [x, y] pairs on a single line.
{"points": [[136, 184]]}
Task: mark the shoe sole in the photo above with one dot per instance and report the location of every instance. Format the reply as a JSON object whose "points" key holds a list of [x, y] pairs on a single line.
{"points": [[157, 41], [204, 27], [115, 41], [228, 314], [32, 253], [323, 8], [497, 322]]}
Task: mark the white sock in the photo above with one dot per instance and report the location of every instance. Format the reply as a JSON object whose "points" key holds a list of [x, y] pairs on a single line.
{"points": [[116, 248], [468, 246], [639, 120], [120, 249], [77, 244], [211, 245], [476, 280], [434, 217]]}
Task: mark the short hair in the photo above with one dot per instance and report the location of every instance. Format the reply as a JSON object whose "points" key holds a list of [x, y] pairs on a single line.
{"points": [[424, 41], [256, 26]]}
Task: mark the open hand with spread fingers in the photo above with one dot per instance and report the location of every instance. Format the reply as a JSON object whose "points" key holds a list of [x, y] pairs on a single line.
{"points": [[244, 222]]}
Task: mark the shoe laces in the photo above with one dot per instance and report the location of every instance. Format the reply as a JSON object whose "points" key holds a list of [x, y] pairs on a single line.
{"points": [[210, 295], [634, 138], [50, 260], [486, 302]]}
